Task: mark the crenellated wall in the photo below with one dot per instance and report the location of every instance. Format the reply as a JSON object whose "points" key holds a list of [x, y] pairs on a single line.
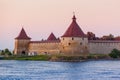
{"points": [[103, 47]]}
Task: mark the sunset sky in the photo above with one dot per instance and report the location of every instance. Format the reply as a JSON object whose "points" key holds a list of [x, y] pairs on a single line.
{"points": [[41, 17]]}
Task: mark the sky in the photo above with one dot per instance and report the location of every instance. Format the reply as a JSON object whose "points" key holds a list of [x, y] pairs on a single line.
{"points": [[41, 17]]}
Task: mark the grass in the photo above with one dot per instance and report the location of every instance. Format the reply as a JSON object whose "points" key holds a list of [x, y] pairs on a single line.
{"points": [[57, 57], [39, 57], [98, 56]]}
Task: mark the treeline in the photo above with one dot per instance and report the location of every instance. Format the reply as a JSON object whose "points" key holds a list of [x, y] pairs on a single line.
{"points": [[92, 36], [5, 52]]}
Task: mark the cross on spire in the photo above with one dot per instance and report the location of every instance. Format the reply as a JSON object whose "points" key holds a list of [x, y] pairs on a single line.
{"points": [[74, 18], [73, 13]]}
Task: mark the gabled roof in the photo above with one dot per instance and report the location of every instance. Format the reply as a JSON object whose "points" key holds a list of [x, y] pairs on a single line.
{"points": [[22, 35], [51, 37], [74, 30]]}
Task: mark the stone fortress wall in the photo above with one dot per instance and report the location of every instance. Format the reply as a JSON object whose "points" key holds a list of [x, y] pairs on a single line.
{"points": [[103, 47], [44, 47]]}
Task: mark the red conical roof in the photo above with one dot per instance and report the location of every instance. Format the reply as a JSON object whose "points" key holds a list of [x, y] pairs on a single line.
{"points": [[52, 37], [74, 30], [22, 35]]}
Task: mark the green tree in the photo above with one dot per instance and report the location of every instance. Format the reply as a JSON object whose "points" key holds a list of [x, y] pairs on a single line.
{"points": [[2, 52], [6, 52], [115, 53]]}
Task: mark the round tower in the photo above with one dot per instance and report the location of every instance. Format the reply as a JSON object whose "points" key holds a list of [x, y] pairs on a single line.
{"points": [[74, 41], [21, 43]]}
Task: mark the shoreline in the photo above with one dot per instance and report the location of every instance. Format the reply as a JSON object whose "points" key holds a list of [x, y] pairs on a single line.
{"points": [[59, 58]]}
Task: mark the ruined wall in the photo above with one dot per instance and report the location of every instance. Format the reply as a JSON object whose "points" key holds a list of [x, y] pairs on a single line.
{"points": [[44, 48], [103, 47]]}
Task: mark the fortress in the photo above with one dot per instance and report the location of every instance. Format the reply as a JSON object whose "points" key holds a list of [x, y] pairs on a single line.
{"points": [[72, 42]]}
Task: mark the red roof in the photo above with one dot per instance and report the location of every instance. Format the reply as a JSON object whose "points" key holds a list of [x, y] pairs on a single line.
{"points": [[46, 41], [22, 35], [51, 37], [74, 30]]}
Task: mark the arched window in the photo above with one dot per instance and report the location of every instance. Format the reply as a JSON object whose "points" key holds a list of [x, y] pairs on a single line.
{"points": [[23, 53]]}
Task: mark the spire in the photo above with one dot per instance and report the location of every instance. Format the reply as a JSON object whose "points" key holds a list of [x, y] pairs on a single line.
{"points": [[74, 18], [22, 35], [52, 37], [74, 30]]}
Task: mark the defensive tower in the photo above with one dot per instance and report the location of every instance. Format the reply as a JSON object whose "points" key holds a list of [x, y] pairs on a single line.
{"points": [[21, 43], [74, 41]]}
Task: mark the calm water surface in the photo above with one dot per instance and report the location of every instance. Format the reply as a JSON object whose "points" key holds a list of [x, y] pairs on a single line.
{"points": [[45, 70]]}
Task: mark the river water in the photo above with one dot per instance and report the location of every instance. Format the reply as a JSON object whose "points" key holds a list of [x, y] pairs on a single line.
{"points": [[45, 70]]}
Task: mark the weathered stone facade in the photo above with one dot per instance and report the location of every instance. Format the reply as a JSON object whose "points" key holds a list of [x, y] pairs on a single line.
{"points": [[44, 47], [21, 46], [74, 45], [103, 46], [73, 42], [22, 43]]}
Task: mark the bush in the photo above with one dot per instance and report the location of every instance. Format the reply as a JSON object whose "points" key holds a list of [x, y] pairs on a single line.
{"points": [[115, 53], [5, 52]]}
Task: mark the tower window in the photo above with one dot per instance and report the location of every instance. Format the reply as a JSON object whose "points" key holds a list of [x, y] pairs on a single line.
{"points": [[69, 43], [81, 43], [82, 38], [72, 38], [85, 47]]}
